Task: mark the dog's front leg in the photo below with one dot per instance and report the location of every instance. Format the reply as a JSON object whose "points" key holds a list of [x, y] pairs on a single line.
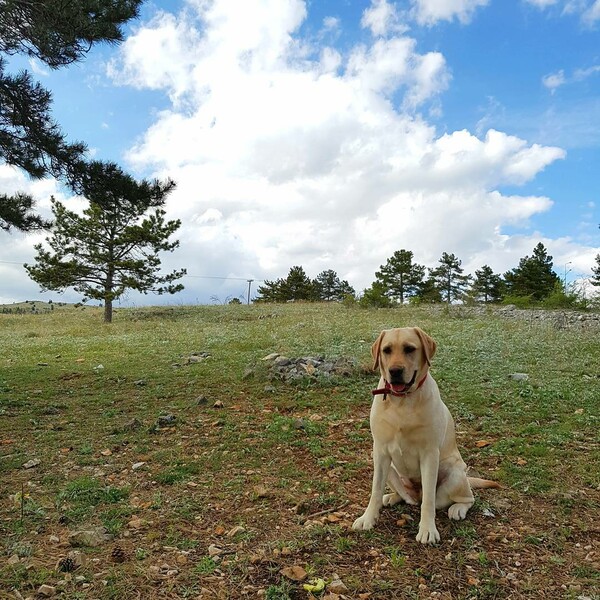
{"points": [[430, 463], [381, 468]]}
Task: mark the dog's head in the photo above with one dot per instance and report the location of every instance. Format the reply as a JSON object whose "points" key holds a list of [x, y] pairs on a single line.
{"points": [[403, 357]]}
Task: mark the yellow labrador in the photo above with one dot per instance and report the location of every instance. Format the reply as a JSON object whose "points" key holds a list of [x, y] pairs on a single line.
{"points": [[414, 444]]}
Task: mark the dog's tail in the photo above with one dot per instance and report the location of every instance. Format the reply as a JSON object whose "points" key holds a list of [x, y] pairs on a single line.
{"points": [[481, 484]]}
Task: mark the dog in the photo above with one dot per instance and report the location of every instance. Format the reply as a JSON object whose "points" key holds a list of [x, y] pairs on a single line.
{"points": [[414, 442]]}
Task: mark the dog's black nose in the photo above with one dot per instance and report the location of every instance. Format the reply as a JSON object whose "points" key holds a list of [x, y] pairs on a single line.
{"points": [[397, 375]]}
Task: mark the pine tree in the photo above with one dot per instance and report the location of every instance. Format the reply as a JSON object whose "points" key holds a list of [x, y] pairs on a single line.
{"points": [[296, 286], [533, 277], [399, 276], [329, 287], [57, 32], [487, 286], [449, 278], [114, 246]]}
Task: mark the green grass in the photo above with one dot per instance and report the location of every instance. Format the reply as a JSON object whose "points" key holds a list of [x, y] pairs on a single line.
{"points": [[305, 446]]}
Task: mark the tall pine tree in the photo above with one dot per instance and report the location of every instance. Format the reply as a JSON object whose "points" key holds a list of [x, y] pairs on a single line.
{"points": [[114, 246], [449, 278], [534, 277], [400, 277]]}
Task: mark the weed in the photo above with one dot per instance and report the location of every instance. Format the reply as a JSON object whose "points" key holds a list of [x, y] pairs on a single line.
{"points": [[281, 591], [205, 566]]}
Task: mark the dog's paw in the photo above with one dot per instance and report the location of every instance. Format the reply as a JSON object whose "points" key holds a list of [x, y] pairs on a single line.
{"points": [[458, 511], [428, 534], [391, 499], [364, 523]]}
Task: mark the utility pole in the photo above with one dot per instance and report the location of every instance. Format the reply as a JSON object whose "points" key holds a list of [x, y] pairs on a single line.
{"points": [[249, 286]]}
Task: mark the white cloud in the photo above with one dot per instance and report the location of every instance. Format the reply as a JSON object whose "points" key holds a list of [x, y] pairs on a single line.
{"points": [[554, 80], [542, 3], [430, 12], [591, 14], [382, 18], [588, 10]]}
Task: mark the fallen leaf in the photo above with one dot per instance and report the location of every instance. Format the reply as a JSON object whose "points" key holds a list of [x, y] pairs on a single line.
{"points": [[106, 452], [295, 573], [315, 585], [482, 443], [6, 442], [521, 462]]}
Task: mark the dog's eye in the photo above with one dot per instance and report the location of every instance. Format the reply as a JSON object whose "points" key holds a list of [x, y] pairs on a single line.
{"points": [[387, 350], [409, 349]]}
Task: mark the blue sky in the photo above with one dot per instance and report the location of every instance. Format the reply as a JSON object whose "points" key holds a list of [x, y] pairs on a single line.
{"points": [[330, 134]]}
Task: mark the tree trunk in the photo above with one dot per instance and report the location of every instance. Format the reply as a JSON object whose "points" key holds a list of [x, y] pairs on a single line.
{"points": [[108, 311]]}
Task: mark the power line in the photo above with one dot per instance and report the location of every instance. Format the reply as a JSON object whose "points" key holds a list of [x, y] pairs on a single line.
{"points": [[223, 278]]}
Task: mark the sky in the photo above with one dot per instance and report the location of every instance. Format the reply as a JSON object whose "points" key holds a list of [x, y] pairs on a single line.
{"points": [[329, 134]]}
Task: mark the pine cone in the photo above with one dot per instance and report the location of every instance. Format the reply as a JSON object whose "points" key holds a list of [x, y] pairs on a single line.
{"points": [[118, 554], [66, 565]]}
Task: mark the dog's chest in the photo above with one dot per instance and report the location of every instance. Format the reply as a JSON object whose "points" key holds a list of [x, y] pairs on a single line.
{"points": [[400, 425]]}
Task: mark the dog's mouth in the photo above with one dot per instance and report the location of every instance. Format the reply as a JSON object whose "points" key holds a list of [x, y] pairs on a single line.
{"points": [[399, 387]]}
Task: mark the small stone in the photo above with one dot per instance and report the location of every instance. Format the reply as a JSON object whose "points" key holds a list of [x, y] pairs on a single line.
{"points": [[140, 382], [271, 356], [132, 425], [519, 376], [34, 462], [166, 420], [137, 465], [201, 400], [214, 550], [282, 361], [337, 586], [235, 530], [261, 491], [54, 539], [89, 537], [46, 590]]}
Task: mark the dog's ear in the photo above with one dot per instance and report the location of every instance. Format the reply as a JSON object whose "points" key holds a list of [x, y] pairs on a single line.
{"points": [[376, 349], [429, 345]]}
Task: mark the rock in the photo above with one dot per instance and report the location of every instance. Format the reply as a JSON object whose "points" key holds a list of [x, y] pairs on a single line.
{"points": [[519, 376], [166, 420], [214, 551], [137, 465], [140, 382], [282, 361], [90, 537], [201, 400], [271, 356], [132, 425], [46, 590], [235, 530], [337, 586], [248, 374], [34, 462]]}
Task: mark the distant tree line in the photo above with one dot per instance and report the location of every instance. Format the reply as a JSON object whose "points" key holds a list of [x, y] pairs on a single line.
{"points": [[401, 280], [327, 287]]}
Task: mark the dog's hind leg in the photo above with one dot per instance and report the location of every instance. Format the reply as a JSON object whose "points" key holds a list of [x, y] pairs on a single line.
{"points": [[403, 489]]}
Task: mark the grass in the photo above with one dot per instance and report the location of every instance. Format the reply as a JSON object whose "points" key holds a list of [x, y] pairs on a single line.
{"points": [[290, 463]]}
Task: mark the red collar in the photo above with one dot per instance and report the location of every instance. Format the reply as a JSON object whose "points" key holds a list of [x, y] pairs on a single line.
{"points": [[387, 389]]}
